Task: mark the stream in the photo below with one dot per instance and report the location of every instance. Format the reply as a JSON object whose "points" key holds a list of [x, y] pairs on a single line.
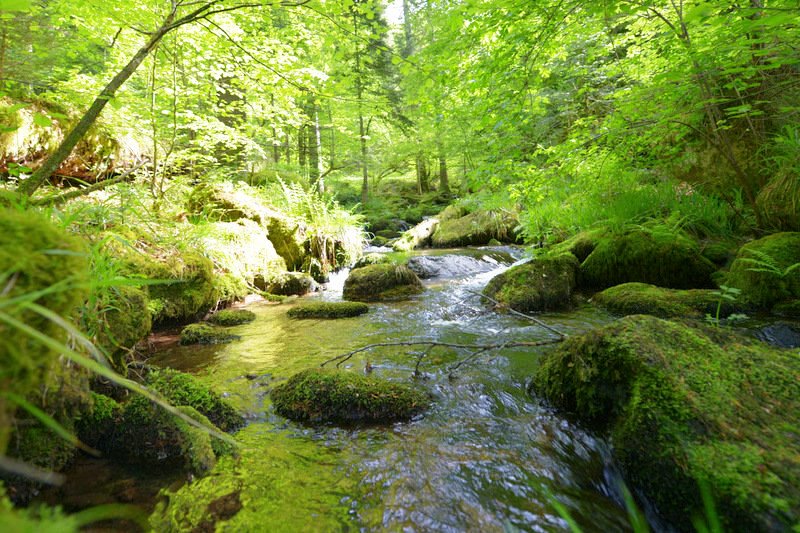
{"points": [[485, 457]]}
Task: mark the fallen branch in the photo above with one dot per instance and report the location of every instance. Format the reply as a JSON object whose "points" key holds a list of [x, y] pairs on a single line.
{"points": [[77, 193], [339, 359], [546, 326]]}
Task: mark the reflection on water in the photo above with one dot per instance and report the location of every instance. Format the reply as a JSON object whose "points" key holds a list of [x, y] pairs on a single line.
{"points": [[486, 456]]}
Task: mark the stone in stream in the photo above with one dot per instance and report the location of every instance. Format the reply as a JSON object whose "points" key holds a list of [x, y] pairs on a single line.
{"points": [[641, 298], [289, 284], [449, 266], [477, 228], [328, 310], [544, 283], [232, 317], [205, 334], [683, 404], [381, 282], [320, 395]]}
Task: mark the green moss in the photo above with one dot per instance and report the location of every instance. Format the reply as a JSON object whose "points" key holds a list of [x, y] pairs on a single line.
{"points": [[581, 244], [328, 310], [372, 259], [232, 317], [762, 272], [656, 256], [180, 388], [546, 283], [185, 286], [276, 298], [50, 267], [685, 404], [124, 321], [291, 283], [381, 282], [98, 422], [205, 334], [641, 298], [319, 395], [789, 309], [476, 228]]}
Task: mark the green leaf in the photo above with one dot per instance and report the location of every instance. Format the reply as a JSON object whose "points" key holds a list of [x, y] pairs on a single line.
{"points": [[42, 121], [15, 5]]}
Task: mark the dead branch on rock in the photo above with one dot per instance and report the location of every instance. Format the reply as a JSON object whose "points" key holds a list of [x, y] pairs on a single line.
{"points": [[538, 322]]}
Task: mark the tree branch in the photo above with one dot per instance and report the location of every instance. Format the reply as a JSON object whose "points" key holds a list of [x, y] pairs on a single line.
{"points": [[77, 193]]}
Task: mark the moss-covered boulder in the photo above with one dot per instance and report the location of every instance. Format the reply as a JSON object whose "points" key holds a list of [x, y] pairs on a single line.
{"points": [[123, 320], [320, 395], [290, 284], [543, 284], [372, 259], [767, 270], [180, 388], [185, 283], [206, 334], [328, 310], [581, 244], [232, 317], [35, 256], [648, 255], [416, 237], [98, 422], [684, 404], [477, 228], [381, 282], [643, 299]]}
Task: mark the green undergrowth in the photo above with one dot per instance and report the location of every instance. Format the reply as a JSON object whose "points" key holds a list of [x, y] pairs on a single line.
{"points": [[319, 395], [232, 317], [767, 270], [687, 404], [328, 310]]}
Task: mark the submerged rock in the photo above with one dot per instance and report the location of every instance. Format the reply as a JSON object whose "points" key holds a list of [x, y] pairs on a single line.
{"points": [[449, 266], [320, 395], [684, 404], [205, 334], [328, 310], [767, 270], [659, 257], [291, 284], [642, 298], [232, 317], [381, 282], [543, 284], [476, 228]]}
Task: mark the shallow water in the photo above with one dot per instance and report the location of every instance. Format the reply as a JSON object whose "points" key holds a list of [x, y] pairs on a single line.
{"points": [[485, 457]]}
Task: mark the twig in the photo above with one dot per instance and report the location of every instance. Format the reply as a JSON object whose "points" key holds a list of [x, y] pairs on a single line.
{"points": [[339, 359], [546, 326], [76, 193]]}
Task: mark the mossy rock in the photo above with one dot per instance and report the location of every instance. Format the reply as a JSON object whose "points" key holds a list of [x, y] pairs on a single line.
{"points": [[205, 334], [659, 257], [543, 284], [320, 395], [417, 237], [689, 403], [641, 298], [476, 228], [580, 245], [719, 252], [789, 309], [291, 284], [767, 270], [232, 317], [146, 434], [180, 388], [124, 321], [328, 310], [98, 422], [274, 298], [381, 282], [372, 259], [186, 284], [35, 255]]}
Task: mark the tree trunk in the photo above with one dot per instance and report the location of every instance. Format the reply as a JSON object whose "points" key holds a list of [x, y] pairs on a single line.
{"points": [[423, 174], [444, 182], [29, 186], [314, 148], [301, 148], [361, 129], [408, 46]]}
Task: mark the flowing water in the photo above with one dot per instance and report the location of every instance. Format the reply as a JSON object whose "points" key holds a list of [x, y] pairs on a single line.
{"points": [[485, 457]]}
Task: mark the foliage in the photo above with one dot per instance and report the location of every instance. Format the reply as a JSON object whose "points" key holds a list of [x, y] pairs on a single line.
{"points": [[767, 270]]}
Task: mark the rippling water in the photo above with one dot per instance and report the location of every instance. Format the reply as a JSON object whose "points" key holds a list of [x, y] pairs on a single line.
{"points": [[485, 457]]}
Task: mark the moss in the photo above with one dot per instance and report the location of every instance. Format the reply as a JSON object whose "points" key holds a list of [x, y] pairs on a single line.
{"points": [[546, 283], [98, 422], [147, 434], [476, 228], [50, 267], [761, 270], [416, 237], [319, 395], [180, 388], [291, 283], [123, 322], [381, 282], [372, 259], [205, 334], [790, 309], [232, 317], [719, 252], [185, 286], [328, 310], [641, 298], [683, 404], [659, 257], [275, 298], [581, 244]]}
